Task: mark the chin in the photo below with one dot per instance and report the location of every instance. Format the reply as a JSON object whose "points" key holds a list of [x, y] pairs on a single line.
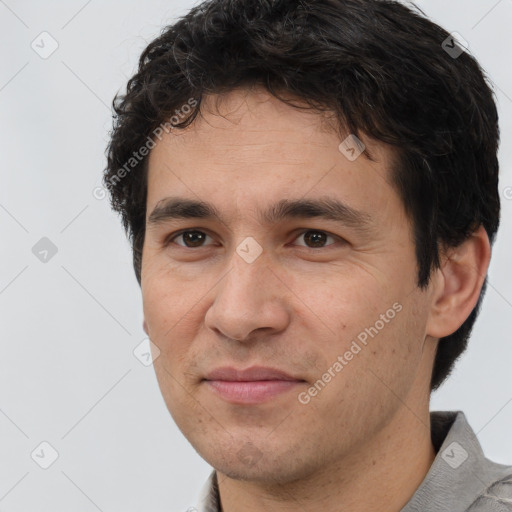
{"points": [[249, 464]]}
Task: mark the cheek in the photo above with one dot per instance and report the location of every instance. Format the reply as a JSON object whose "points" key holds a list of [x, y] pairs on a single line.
{"points": [[375, 375], [371, 327], [394, 349], [342, 306], [170, 326], [174, 312], [166, 300], [165, 315], [159, 308]]}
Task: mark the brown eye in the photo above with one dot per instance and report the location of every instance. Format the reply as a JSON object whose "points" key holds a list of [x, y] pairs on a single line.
{"points": [[190, 238], [315, 239]]}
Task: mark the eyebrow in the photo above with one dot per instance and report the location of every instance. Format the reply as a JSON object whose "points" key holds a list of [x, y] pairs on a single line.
{"points": [[325, 207]]}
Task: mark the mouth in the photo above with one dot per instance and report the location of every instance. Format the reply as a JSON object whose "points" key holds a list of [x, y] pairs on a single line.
{"points": [[250, 386]]}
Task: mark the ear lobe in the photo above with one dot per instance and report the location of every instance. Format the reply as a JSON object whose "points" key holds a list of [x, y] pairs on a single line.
{"points": [[458, 284]]}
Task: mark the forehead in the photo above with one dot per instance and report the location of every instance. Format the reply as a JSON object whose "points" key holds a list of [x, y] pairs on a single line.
{"points": [[248, 148]]}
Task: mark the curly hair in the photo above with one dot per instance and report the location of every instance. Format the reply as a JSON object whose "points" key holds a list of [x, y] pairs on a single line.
{"points": [[381, 68]]}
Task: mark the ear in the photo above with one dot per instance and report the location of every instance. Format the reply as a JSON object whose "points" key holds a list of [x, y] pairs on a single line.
{"points": [[457, 284], [145, 327]]}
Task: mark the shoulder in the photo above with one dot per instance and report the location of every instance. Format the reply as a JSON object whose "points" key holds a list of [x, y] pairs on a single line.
{"points": [[497, 497]]}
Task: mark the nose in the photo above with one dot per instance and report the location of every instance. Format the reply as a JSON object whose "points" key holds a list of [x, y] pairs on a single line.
{"points": [[250, 297]]}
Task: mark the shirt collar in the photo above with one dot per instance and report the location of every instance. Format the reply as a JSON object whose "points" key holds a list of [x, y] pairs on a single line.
{"points": [[209, 500], [459, 474]]}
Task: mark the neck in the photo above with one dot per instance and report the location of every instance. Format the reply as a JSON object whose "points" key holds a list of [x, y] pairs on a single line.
{"points": [[382, 474]]}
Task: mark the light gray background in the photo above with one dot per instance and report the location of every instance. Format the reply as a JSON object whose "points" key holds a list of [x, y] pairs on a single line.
{"points": [[68, 327]]}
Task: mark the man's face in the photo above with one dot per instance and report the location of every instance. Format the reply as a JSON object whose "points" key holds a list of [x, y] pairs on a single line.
{"points": [[320, 290]]}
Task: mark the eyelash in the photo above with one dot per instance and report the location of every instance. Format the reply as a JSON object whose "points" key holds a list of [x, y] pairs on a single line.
{"points": [[173, 236]]}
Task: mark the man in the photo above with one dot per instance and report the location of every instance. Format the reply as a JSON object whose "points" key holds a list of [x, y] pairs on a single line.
{"points": [[310, 190]]}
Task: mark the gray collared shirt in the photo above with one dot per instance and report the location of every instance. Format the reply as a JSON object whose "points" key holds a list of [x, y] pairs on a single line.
{"points": [[461, 478]]}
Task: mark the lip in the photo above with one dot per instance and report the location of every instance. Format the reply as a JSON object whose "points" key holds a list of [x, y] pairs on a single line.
{"points": [[250, 386], [254, 373]]}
